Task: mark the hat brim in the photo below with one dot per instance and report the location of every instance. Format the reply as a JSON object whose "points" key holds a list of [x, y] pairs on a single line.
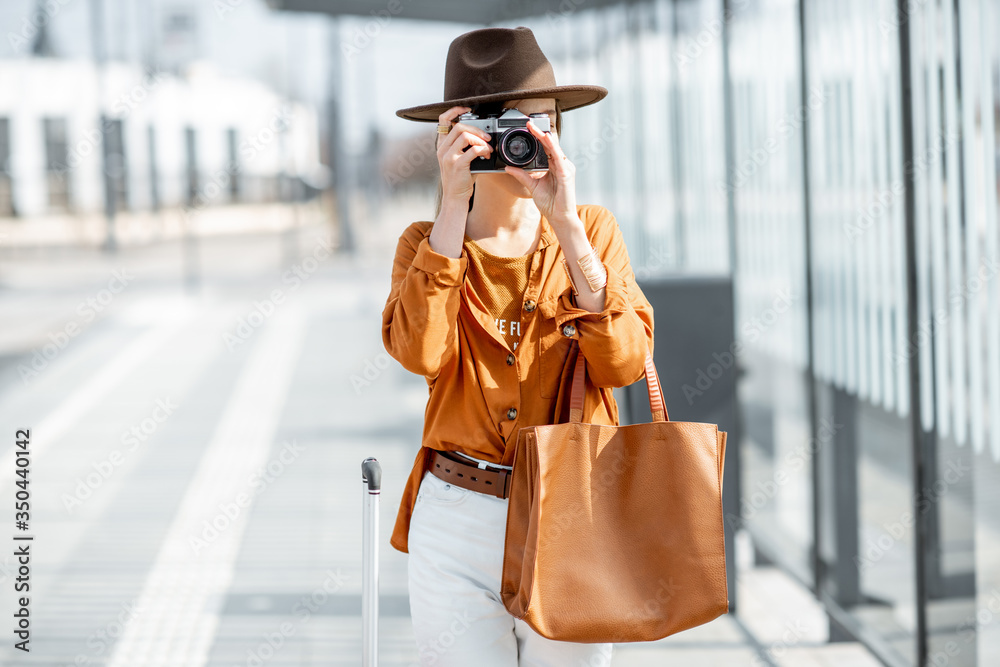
{"points": [[569, 97]]}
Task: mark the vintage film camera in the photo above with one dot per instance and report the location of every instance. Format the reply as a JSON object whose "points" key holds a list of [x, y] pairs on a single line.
{"points": [[512, 141]]}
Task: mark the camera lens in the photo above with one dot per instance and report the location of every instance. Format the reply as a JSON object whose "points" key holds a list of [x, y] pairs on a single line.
{"points": [[518, 147]]}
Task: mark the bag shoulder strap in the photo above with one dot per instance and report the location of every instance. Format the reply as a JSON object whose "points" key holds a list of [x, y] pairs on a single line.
{"points": [[656, 405]]}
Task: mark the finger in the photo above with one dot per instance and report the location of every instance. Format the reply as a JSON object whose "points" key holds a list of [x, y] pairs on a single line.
{"points": [[548, 141], [522, 177], [460, 128], [463, 140], [558, 162], [554, 162], [518, 175], [458, 140], [482, 134], [473, 153], [446, 118]]}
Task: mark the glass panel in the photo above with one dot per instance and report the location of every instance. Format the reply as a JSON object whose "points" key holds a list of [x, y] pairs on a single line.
{"points": [[978, 23], [702, 232], [767, 186], [859, 317]]}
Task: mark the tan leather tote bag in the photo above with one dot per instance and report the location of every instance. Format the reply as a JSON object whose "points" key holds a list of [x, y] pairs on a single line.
{"points": [[615, 533]]}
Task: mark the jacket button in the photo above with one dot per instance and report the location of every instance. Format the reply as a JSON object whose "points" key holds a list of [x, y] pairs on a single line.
{"points": [[529, 305], [512, 414], [510, 359], [569, 330]]}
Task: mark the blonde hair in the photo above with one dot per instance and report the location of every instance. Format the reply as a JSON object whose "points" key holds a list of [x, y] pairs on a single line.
{"points": [[440, 190]]}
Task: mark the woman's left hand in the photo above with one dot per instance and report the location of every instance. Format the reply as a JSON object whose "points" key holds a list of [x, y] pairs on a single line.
{"points": [[554, 191]]}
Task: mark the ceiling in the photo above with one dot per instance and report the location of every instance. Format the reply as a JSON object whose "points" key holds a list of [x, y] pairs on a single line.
{"points": [[485, 12]]}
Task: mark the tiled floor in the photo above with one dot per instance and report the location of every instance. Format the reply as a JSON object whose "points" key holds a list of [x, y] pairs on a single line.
{"points": [[158, 560]]}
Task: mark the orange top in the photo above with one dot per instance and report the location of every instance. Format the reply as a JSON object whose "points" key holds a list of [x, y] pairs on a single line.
{"points": [[436, 323], [500, 283]]}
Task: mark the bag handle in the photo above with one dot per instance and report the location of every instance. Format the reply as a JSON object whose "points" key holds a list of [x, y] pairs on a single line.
{"points": [[656, 405]]}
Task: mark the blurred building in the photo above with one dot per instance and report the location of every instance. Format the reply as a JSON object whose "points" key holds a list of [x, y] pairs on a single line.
{"points": [[193, 139]]}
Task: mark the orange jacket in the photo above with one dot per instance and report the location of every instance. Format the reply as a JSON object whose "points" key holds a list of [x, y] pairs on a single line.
{"points": [[435, 325]]}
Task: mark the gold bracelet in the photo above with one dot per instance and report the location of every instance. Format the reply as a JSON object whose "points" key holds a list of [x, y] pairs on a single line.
{"points": [[570, 275], [593, 269]]}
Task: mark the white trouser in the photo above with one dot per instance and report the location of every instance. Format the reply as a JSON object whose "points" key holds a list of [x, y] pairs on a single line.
{"points": [[455, 563]]}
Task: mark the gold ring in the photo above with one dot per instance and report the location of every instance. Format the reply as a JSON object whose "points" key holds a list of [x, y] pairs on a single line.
{"points": [[444, 129]]}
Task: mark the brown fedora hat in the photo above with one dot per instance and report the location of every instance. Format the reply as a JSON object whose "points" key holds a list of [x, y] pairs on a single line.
{"points": [[496, 64]]}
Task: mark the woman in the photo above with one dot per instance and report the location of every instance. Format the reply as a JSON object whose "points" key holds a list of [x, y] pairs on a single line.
{"points": [[485, 303]]}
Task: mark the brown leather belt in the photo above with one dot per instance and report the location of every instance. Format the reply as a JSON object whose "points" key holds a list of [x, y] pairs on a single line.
{"points": [[466, 474]]}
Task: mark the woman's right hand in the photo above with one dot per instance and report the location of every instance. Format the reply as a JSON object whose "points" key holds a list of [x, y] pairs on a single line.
{"points": [[454, 159]]}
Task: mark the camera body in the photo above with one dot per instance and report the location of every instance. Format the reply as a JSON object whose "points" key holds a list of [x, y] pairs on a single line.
{"points": [[513, 143]]}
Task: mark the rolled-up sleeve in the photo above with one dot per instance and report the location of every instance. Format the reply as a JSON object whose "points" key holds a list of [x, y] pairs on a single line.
{"points": [[420, 318], [615, 340]]}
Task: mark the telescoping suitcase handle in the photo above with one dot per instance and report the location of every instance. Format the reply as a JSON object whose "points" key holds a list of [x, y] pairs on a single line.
{"points": [[371, 478]]}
